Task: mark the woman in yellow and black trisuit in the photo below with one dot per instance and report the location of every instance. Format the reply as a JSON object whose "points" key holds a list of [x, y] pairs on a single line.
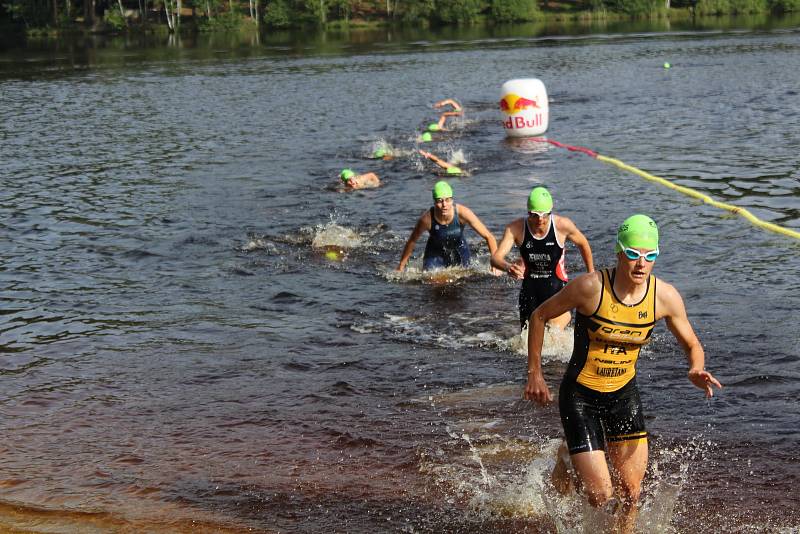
{"points": [[616, 310]]}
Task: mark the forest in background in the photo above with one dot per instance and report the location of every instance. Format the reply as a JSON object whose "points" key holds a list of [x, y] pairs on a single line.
{"points": [[57, 16]]}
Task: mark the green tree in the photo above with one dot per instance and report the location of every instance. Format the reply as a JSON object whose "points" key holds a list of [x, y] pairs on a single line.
{"points": [[457, 11], [515, 10], [784, 6], [277, 14], [413, 11], [636, 8]]}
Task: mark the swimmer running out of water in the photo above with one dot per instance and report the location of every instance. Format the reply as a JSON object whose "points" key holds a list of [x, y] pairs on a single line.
{"points": [[541, 238], [445, 221], [601, 413], [351, 180]]}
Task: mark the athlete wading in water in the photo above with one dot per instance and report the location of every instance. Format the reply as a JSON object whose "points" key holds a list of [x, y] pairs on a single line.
{"points": [[445, 221], [541, 237], [616, 310]]}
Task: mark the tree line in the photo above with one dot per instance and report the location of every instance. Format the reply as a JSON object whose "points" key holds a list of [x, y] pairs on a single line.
{"points": [[233, 14]]}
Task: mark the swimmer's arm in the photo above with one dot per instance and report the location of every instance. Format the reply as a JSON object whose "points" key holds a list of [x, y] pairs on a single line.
{"points": [[422, 224], [580, 293], [674, 312], [498, 260], [437, 160], [572, 233], [469, 217], [448, 101]]}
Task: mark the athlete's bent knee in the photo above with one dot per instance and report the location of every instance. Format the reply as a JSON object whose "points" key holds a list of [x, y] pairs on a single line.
{"points": [[599, 496]]}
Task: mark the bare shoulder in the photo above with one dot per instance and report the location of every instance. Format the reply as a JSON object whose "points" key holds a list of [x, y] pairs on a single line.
{"points": [[516, 227], [589, 283], [564, 224], [670, 302], [425, 218], [583, 293], [463, 210]]}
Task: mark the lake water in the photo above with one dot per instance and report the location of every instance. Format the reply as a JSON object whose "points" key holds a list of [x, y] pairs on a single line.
{"points": [[179, 354]]}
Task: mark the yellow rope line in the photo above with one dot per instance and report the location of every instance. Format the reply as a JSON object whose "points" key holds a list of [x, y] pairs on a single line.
{"points": [[705, 198]]}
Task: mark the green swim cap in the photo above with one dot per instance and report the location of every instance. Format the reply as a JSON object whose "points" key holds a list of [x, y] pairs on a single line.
{"points": [[637, 231], [346, 174], [427, 137], [379, 153], [433, 127], [540, 200], [442, 190], [454, 170]]}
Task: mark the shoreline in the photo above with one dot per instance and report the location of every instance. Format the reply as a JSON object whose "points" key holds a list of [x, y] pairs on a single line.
{"points": [[198, 25]]}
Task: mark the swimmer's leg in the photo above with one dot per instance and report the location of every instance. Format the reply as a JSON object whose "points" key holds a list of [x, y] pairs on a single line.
{"points": [[593, 476], [629, 463], [561, 477]]}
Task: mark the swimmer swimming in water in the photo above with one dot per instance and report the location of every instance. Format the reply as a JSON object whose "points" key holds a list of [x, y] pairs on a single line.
{"points": [[448, 167], [445, 221], [456, 112], [351, 180]]}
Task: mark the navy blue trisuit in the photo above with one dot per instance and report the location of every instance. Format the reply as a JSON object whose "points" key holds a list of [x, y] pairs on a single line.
{"points": [[446, 245]]}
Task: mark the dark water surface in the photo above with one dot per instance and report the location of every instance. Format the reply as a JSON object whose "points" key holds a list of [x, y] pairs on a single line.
{"points": [[178, 354]]}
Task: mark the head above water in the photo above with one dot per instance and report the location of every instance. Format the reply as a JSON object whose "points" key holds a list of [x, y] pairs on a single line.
{"points": [[433, 127], [637, 231], [540, 200], [426, 137], [346, 174], [379, 153], [442, 190]]}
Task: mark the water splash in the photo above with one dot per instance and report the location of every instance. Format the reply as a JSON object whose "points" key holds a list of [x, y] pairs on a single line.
{"points": [[334, 235], [487, 480], [458, 157], [557, 345], [450, 275], [255, 242]]}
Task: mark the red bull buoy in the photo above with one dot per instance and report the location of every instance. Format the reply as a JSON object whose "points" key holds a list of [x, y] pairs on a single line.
{"points": [[524, 107]]}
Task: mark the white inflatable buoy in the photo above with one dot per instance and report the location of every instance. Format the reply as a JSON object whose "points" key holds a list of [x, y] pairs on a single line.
{"points": [[524, 107]]}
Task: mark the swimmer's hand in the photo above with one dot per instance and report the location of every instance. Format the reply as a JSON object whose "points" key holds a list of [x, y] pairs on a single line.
{"points": [[517, 269], [495, 271], [536, 389], [704, 380]]}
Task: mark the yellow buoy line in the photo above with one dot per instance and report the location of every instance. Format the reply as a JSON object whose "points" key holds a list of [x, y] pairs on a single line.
{"points": [[705, 198], [772, 227]]}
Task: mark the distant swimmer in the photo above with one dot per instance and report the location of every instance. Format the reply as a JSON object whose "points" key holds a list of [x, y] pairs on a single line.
{"points": [[541, 237], [456, 112], [445, 221], [352, 180], [383, 151], [601, 413], [449, 168], [425, 137]]}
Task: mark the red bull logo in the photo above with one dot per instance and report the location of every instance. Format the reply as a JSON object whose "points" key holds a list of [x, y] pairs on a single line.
{"points": [[511, 104], [521, 112]]}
